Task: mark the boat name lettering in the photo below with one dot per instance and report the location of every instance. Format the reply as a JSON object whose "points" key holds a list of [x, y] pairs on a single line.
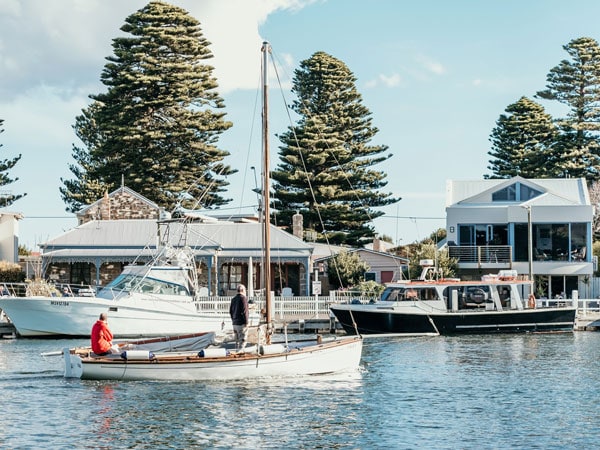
{"points": [[59, 302]]}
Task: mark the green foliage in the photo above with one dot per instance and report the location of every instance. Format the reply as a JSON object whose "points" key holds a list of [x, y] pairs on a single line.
{"points": [[529, 142], [436, 236], [5, 165], [523, 143], [576, 84], [325, 170], [596, 252], [159, 121], [11, 273], [346, 269], [370, 288], [24, 251], [447, 267]]}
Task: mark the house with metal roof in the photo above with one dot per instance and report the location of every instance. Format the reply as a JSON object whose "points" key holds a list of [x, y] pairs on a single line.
{"points": [[536, 227], [227, 253], [383, 267], [123, 228]]}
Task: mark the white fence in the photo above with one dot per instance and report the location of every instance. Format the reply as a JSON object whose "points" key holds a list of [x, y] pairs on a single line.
{"points": [[317, 307], [287, 308]]}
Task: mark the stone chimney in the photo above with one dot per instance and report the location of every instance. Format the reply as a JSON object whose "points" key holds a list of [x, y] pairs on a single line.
{"points": [[105, 207], [376, 244], [297, 225]]}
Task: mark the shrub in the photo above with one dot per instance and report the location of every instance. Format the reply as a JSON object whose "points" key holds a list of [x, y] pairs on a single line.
{"points": [[11, 272]]}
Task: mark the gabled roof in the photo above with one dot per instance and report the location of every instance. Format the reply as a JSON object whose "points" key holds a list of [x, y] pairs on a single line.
{"points": [[121, 190], [555, 191], [363, 250]]}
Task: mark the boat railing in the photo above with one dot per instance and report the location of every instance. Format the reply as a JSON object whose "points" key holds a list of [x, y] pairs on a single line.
{"points": [[46, 289]]}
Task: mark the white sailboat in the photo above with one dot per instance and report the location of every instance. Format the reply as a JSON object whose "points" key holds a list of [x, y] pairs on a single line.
{"points": [[265, 359]]}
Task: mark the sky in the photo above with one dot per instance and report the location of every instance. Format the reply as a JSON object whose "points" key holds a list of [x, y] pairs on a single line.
{"points": [[436, 75]]}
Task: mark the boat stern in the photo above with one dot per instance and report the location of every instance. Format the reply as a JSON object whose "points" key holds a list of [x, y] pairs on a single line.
{"points": [[73, 365]]}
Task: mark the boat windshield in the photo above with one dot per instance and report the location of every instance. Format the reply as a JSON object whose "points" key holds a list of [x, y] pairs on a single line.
{"points": [[135, 283], [408, 293]]}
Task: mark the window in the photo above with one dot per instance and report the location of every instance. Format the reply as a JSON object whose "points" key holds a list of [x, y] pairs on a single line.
{"points": [[517, 192], [370, 276], [231, 275], [507, 194], [483, 234], [552, 242], [81, 273]]}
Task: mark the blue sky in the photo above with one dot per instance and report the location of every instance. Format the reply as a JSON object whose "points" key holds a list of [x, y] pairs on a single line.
{"points": [[436, 75]]}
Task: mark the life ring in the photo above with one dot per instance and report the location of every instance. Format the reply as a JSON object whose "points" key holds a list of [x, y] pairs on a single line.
{"points": [[531, 301]]}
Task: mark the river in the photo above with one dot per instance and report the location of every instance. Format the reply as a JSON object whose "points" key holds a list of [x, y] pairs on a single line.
{"points": [[469, 392]]}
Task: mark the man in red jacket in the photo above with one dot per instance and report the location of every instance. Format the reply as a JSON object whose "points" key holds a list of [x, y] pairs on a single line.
{"points": [[101, 336]]}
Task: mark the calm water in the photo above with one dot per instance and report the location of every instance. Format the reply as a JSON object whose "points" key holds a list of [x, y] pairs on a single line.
{"points": [[516, 391]]}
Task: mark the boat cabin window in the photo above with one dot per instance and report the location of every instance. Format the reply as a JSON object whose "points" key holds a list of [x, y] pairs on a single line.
{"points": [[134, 283], [470, 296], [504, 295], [399, 294]]}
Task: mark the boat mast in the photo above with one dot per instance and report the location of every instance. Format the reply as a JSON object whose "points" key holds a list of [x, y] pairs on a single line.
{"points": [[266, 49]]}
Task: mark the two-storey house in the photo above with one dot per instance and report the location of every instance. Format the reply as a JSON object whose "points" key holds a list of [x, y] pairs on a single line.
{"points": [[536, 227]]}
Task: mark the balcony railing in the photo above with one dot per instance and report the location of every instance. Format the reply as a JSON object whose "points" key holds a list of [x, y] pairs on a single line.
{"points": [[481, 254]]}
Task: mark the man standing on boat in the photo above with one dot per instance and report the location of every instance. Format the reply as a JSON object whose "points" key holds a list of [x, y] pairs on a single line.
{"points": [[238, 310]]}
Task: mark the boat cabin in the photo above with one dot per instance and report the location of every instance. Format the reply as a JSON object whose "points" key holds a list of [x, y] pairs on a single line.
{"points": [[460, 295]]}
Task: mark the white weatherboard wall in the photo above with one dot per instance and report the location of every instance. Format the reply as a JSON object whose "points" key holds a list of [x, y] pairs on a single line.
{"points": [[9, 237]]}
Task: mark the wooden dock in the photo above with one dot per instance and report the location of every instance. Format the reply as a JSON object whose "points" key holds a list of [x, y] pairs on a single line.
{"points": [[6, 329], [588, 322]]}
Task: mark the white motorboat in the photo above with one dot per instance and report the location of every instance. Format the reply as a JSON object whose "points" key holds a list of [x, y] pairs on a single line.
{"points": [[156, 299]]}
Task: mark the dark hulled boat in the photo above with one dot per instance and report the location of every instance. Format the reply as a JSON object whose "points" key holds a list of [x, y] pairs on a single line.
{"points": [[495, 304]]}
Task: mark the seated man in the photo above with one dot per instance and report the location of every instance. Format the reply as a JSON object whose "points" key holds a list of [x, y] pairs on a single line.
{"points": [[102, 337]]}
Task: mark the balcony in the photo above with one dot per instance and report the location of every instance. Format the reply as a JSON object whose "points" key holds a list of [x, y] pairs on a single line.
{"points": [[482, 256]]}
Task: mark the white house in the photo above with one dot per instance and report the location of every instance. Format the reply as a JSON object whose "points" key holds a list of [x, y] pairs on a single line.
{"points": [[538, 227], [9, 236]]}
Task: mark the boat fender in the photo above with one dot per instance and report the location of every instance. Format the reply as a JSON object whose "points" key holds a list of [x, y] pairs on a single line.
{"points": [[531, 301], [272, 349], [137, 355], [213, 353]]}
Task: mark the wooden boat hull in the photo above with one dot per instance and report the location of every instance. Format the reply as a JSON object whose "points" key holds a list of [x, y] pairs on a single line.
{"points": [[371, 319], [339, 355]]}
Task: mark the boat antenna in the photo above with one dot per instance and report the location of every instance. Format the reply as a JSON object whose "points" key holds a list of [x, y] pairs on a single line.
{"points": [[266, 49]]}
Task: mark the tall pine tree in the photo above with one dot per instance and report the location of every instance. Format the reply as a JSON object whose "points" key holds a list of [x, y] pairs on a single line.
{"points": [[326, 158], [523, 143], [576, 83], [8, 198], [158, 124]]}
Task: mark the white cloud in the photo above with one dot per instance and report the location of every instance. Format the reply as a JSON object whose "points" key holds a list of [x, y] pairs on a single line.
{"points": [[66, 42], [10, 8], [393, 80], [430, 65], [51, 57]]}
